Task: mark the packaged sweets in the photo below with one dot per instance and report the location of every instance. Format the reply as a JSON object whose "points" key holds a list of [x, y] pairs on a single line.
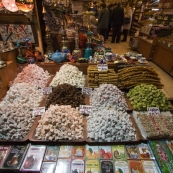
{"points": [[150, 166], [132, 152], [33, 158], [65, 151], [163, 155], [92, 166], [105, 152], [51, 154], [4, 149], [121, 166], [118, 152], [170, 146], [78, 151], [92, 152], [106, 166], [144, 151], [63, 166], [15, 157], [77, 166], [135, 166], [48, 167]]}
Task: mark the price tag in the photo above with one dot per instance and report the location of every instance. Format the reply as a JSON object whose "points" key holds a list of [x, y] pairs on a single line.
{"points": [[153, 111], [102, 67], [86, 90], [38, 111], [85, 109], [47, 90]]}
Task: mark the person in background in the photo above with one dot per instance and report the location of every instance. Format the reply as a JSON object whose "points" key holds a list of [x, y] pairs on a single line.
{"points": [[117, 22], [103, 19], [94, 8], [110, 8], [127, 15]]}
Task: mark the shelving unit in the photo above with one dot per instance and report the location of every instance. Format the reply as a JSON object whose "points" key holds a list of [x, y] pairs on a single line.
{"points": [[137, 16]]}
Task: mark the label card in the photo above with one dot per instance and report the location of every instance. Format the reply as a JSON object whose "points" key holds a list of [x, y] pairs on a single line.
{"points": [[153, 111], [38, 111], [86, 90], [47, 90], [102, 67], [85, 109]]}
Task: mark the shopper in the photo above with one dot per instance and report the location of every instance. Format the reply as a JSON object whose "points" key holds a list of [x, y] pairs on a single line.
{"points": [[94, 8], [103, 19], [127, 20], [110, 8], [117, 22]]}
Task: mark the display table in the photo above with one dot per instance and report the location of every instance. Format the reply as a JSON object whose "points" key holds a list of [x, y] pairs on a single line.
{"points": [[163, 57]]}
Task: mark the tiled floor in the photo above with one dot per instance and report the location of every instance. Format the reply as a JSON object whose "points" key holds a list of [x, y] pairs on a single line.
{"points": [[167, 80]]}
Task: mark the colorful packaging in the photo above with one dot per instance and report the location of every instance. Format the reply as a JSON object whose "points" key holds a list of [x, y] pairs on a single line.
{"points": [[105, 152], [15, 157], [63, 166], [163, 155], [121, 166], [149, 166], [106, 166], [92, 166], [65, 151], [144, 151], [51, 154], [78, 151], [170, 146], [92, 152], [135, 166], [78, 166], [33, 158], [132, 152], [48, 167], [4, 150], [118, 152]]}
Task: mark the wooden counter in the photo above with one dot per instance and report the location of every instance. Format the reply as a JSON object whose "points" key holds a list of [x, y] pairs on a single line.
{"points": [[163, 57]]}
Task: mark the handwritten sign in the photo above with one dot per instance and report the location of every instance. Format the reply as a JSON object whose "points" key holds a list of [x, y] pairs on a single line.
{"points": [[102, 67], [47, 90], [86, 90], [38, 111], [153, 111], [85, 109]]}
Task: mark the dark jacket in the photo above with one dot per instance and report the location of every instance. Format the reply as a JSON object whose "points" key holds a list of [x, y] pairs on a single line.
{"points": [[117, 16], [103, 19]]}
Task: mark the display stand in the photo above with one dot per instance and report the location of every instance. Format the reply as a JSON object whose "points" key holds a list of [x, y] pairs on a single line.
{"points": [[163, 57], [146, 45]]}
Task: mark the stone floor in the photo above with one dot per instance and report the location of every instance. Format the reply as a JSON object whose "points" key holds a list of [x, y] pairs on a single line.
{"points": [[167, 80]]}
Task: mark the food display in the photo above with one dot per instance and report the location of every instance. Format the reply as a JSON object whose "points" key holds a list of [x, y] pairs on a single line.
{"points": [[154, 126], [144, 96], [167, 41], [69, 74], [34, 75], [95, 77], [108, 96], [16, 111], [65, 94], [108, 125], [131, 76], [60, 123]]}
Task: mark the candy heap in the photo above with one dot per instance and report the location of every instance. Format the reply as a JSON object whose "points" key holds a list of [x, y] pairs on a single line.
{"points": [[34, 75], [60, 123], [69, 74]]}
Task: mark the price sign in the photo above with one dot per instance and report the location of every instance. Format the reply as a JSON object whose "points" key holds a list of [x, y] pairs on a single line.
{"points": [[153, 111], [38, 111], [85, 109], [102, 67], [86, 90], [47, 90]]}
